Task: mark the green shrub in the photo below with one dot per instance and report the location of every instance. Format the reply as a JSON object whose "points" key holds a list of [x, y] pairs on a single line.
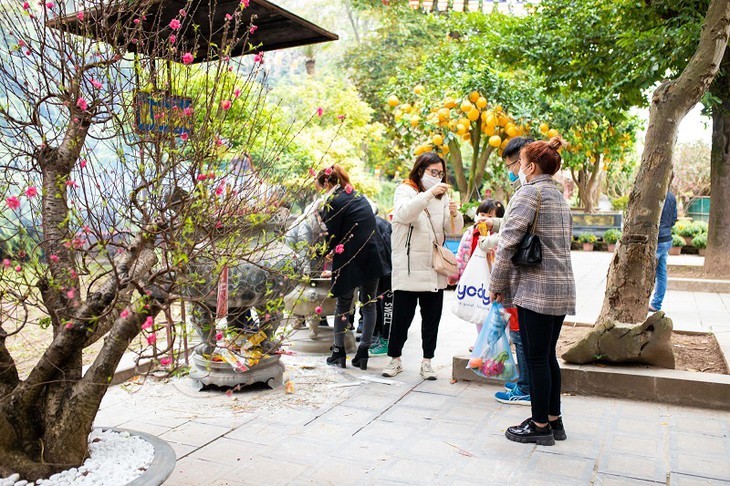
{"points": [[587, 238], [620, 203], [611, 236], [701, 226], [700, 241], [677, 240], [686, 228]]}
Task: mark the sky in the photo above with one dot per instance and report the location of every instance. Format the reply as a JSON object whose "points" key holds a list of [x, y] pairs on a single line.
{"points": [[695, 126]]}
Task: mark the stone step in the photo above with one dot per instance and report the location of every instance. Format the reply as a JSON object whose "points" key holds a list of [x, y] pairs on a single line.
{"points": [[707, 390]]}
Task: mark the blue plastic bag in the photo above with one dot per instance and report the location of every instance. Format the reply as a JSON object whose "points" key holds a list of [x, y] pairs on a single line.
{"points": [[492, 356]]}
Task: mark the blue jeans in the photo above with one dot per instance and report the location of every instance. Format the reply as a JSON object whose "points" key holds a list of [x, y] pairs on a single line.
{"points": [[523, 383], [660, 287]]}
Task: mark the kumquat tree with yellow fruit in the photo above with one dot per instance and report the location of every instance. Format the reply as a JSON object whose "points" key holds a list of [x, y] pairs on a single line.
{"points": [[600, 149], [466, 130]]}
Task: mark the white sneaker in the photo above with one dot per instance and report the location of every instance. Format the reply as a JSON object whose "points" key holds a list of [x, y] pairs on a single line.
{"points": [[394, 367], [427, 371]]}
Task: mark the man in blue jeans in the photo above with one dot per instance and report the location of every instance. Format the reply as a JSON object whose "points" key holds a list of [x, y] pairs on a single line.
{"points": [[669, 217]]}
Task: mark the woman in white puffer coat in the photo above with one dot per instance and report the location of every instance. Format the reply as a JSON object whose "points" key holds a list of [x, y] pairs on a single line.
{"points": [[422, 213]]}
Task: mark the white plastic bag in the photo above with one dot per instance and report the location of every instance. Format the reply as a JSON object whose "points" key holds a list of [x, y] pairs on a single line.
{"points": [[472, 291]]}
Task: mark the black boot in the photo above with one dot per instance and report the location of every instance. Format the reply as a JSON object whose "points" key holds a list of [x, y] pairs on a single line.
{"points": [[558, 429], [338, 357], [361, 358], [528, 431]]}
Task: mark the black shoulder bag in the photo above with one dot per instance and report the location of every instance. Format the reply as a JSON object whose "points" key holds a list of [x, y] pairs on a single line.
{"points": [[529, 253]]}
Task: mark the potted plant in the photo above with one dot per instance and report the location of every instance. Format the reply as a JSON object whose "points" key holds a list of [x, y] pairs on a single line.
{"points": [[610, 237], [700, 242], [687, 230], [587, 239], [677, 244]]}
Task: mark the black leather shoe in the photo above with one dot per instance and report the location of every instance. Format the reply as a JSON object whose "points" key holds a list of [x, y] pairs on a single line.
{"points": [[558, 429], [529, 432], [361, 358], [338, 357]]}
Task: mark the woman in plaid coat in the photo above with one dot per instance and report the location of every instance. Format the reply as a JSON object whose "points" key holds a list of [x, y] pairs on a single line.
{"points": [[544, 294]]}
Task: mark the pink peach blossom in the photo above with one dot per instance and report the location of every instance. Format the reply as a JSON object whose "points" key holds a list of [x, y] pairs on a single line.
{"points": [[82, 164], [253, 29], [219, 336], [165, 361], [236, 92], [148, 323], [7, 263], [124, 314], [173, 38], [348, 189], [31, 191], [226, 105], [187, 58], [259, 58], [12, 202], [182, 13], [318, 310], [174, 24], [82, 104], [184, 136], [228, 17], [320, 111], [340, 248], [152, 338], [26, 6], [71, 294], [80, 15], [54, 258], [244, 3], [18, 268]]}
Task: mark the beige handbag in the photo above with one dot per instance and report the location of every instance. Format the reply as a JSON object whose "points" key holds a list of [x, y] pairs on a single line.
{"points": [[444, 262]]}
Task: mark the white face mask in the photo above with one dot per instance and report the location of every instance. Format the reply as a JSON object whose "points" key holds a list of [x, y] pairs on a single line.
{"points": [[428, 181], [522, 176]]}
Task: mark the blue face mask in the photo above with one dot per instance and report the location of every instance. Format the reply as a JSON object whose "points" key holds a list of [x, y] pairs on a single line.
{"points": [[512, 177]]}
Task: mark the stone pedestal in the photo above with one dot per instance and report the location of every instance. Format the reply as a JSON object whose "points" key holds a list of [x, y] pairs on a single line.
{"points": [[303, 341], [205, 372]]}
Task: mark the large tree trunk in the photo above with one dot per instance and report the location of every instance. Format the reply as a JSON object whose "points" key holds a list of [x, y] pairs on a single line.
{"points": [[631, 274], [718, 235]]}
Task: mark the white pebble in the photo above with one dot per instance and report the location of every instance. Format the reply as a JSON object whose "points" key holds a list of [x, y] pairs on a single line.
{"points": [[116, 459]]}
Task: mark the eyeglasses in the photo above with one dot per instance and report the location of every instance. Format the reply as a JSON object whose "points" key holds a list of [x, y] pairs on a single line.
{"points": [[436, 173], [513, 163]]}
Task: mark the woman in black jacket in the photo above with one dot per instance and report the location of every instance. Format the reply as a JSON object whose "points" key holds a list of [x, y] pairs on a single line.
{"points": [[357, 260]]}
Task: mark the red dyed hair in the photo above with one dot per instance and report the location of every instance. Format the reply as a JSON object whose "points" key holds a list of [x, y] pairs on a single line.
{"points": [[545, 154]]}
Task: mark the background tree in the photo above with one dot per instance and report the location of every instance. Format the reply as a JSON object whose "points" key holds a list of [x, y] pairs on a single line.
{"points": [[619, 61], [631, 274], [691, 172]]}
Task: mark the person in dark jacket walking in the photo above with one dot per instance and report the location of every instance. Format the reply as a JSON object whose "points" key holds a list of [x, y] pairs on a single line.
{"points": [[357, 262], [669, 217]]}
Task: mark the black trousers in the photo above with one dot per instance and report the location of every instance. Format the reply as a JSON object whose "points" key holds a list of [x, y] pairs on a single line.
{"points": [[540, 334], [404, 309], [385, 308]]}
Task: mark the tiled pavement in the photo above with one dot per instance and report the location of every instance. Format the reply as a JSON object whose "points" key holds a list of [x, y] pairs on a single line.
{"points": [[416, 432]]}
